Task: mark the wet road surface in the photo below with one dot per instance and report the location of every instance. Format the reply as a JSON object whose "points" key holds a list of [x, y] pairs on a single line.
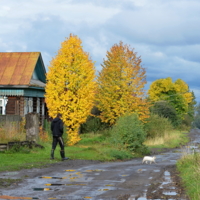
{"points": [[77, 180]]}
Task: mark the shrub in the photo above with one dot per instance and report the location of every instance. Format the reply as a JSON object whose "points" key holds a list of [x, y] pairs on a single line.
{"points": [[166, 110], [121, 155], [157, 126], [93, 124], [196, 123], [17, 148], [12, 131], [128, 133], [92, 139], [43, 135]]}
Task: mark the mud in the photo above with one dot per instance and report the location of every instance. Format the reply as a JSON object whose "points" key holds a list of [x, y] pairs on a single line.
{"points": [[85, 179]]}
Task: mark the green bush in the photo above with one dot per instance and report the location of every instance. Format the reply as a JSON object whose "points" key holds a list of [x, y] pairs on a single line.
{"points": [[128, 133], [166, 110], [157, 126], [196, 123], [17, 148], [121, 155], [93, 124], [47, 127], [91, 140]]}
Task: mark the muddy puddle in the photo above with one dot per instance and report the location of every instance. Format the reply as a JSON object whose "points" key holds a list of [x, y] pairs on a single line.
{"points": [[79, 180]]}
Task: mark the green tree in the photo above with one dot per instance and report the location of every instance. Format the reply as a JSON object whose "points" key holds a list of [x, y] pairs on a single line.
{"points": [[165, 109], [196, 122], [177, 94]]}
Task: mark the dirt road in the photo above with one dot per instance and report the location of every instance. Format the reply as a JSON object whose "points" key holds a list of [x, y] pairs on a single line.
{"points": [[80, 179]]}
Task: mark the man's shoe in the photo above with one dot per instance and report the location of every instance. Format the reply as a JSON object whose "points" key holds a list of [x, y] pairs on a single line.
{"points": [[62, 154], [64, 159]]}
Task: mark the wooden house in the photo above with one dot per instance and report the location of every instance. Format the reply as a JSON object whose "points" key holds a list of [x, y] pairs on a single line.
{"points": [[22, 83]]}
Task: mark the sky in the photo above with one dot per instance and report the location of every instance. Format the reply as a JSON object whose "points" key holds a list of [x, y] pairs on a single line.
{"points": [[166, 34]]}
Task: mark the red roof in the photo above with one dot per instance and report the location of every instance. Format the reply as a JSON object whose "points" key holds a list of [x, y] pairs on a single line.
{"points": [[16, 68]]}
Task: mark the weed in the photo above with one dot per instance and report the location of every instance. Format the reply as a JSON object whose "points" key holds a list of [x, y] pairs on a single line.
{"points": [[12, 131], [157, 126], [121, 155], [188, 166], [5, 182], [170, 139]]}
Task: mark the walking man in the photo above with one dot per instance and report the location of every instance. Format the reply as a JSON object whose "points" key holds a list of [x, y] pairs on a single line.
{"points": [[57, 132]]}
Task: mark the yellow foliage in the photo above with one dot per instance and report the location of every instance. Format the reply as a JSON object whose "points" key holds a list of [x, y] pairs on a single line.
{"points": [[120, 85], [176, 93], [70, 88], [43, 135], [159, 88], [182, 87]]}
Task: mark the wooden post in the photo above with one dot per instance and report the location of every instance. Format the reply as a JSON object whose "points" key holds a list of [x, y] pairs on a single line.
{"points": [[38, 105], [32, 127]]}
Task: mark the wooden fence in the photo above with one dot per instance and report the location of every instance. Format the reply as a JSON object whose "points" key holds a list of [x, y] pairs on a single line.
{"points": [[10, 118], [8, 123]]}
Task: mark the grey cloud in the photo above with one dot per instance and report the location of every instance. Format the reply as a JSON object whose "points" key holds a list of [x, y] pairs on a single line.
{"points": [[164, 33]]}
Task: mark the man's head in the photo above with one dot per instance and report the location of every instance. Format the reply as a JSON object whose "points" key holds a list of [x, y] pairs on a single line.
{"points": [[59, 115]]}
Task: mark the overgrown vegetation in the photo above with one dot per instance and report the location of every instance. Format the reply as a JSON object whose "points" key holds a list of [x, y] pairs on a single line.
{"points": [[5, 182], [158, 126], [12, 131], [196, 123], [128, 134], [164, 110], [189, 169], [172, 139], [93, 124], [125, 140]]}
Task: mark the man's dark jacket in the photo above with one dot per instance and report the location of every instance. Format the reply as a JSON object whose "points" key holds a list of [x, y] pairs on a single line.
{"points": [[57, 127]]}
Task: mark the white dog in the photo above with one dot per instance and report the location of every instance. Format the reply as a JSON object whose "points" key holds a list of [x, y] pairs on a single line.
{"points": [[149, 158]]}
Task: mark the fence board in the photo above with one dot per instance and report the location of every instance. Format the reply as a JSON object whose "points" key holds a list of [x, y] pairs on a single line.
{"points": [[10, 118]]}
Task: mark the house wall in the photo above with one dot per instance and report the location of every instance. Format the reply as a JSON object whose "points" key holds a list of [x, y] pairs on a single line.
{"points": [[12, 106], [15, 105], [19, 105]]}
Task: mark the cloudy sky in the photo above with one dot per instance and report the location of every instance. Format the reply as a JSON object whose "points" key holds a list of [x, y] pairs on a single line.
{"points": [[166, 34]]}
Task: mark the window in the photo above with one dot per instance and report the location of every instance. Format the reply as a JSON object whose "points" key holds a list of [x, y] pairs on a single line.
{"points": [[1, 106], [3, 102]]}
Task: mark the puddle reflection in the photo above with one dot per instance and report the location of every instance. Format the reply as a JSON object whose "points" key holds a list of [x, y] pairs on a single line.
{"points": [[170, 193]]}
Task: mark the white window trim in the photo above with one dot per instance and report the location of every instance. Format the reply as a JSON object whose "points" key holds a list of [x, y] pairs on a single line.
{"points": [[4, 101]]}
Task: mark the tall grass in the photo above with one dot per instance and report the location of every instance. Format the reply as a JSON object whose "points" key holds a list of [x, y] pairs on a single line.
{"points": [[189, 168], [107, 145], [169, 139], [158, 126], [12, 131]]}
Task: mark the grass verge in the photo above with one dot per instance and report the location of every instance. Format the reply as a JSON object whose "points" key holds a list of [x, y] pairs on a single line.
{"points": [[189, 168], [91, 147], [171, 139]]}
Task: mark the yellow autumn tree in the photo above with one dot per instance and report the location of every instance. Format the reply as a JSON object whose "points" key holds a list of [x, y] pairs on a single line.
{"points": [[120, 85], [70, 88], [176, 93]]}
